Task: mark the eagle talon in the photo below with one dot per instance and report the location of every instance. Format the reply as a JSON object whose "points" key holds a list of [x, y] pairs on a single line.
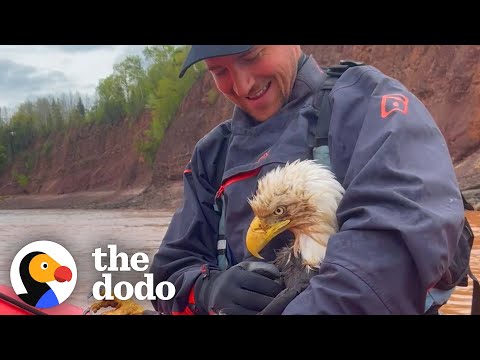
{"points": [[103, 304], [121, 307]]}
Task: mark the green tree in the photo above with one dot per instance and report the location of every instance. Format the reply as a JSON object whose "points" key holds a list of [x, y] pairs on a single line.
{"points": [[132, 77], [135, 85], [3, 157], [80, 108], [41, 116], [111, 99], [22, 129], [165, 90], [56, 114]]}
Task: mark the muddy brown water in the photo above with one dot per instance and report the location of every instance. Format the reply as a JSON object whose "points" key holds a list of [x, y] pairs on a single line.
{"points": [[82, 231], [461, 301]]}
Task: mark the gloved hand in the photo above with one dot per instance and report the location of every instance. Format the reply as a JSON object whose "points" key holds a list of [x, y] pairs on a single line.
{"points": [[244, 289], [278, 305], [286, 296]]}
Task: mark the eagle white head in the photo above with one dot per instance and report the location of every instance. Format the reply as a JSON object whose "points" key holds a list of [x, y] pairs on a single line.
{"points": [[302, 197]]}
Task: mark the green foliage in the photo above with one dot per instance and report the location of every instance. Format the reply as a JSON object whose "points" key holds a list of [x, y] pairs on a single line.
{"points": [[80, 108], [38, 119], [132, 76], [136, 84], [29, 161], [3, 157], [57, 116], [47, 148], [148, 148], [22, 128], [20, 179], [111, 100], [166, 92], [121, 94], [212, 96]]}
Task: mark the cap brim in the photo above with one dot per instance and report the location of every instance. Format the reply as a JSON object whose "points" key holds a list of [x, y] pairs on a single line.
{"points": [[202, 52]]}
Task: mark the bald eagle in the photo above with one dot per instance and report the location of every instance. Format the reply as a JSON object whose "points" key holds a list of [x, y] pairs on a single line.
{"points": [[302, 197]]}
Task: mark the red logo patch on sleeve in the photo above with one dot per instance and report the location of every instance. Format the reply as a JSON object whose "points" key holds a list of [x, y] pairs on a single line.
{"points": [[393, 102]]}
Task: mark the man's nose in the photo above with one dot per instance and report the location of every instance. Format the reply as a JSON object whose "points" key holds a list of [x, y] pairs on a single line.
{"points": [[242, 83]]}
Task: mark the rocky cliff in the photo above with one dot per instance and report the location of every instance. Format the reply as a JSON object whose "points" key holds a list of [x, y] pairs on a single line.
{"points": [[99, 162]]}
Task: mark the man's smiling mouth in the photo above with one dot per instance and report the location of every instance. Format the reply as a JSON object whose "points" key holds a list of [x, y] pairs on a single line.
{"points": [[260, 92]]}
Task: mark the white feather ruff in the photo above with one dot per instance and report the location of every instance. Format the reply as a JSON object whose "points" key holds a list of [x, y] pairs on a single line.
{"points": [[313, 194]]}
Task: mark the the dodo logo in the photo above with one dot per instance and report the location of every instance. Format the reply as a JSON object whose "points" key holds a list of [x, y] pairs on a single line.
{"points": [[43, 274]]}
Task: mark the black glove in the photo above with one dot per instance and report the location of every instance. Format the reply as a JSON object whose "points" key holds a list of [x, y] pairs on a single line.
{"points": [[286, 296], [244, 289], [278, 305]]}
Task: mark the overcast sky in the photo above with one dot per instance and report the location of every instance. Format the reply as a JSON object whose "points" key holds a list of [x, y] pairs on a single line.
{"points": [[29, 71]]}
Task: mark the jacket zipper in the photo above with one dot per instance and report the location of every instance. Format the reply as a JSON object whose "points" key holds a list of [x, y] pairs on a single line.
{"points": [[236, 178]]}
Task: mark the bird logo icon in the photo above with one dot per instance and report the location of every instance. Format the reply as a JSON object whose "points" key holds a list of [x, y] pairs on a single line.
{"points": [[43, 274]]}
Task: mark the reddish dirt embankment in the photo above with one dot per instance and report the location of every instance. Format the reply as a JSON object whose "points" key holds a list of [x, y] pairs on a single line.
{"points": [[85, 167]]}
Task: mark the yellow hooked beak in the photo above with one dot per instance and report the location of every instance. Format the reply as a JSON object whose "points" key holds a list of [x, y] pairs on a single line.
{"points": [[258, 238]]}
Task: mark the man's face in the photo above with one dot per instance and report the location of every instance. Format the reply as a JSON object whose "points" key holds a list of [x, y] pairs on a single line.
{"points": [[258, 81]]}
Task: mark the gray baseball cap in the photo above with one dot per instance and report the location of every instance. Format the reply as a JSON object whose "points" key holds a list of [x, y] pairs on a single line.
{"points": [[202, 52]]}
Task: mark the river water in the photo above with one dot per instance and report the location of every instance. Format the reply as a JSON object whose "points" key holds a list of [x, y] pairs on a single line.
{"points": [[82, 231], [461, 301]]}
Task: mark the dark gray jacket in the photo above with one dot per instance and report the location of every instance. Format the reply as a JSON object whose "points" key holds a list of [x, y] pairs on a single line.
{"points": [[400, 218]]}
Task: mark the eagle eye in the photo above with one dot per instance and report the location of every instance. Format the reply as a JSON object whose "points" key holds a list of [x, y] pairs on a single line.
{"points": [[44, 265], [279, 210]]}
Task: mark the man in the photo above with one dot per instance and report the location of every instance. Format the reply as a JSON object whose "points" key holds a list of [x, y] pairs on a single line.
{"points": [[400, 218]]}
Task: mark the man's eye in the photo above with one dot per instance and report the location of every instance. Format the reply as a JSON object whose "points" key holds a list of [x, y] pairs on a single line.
{"points": [[219, 72], [253, 58]]}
